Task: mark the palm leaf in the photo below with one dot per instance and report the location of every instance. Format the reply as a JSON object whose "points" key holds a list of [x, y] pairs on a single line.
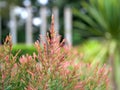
{"points": [[102, 17]]}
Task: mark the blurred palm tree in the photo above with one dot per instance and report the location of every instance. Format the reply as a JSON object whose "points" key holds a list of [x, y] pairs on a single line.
{"points": [[101, 18]]}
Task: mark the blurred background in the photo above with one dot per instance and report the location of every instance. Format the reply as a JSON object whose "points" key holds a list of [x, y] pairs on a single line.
{"points": [[26, 19], [91, 26]]}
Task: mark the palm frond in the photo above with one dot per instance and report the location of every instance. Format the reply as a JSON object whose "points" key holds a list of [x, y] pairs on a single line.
{"points": [[101, 17]]}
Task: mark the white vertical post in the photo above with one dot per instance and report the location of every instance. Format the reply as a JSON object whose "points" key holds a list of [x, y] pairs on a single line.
{"points": [[56, 16], [28, 35], [13, 25], [43, 27], [68, 25]]}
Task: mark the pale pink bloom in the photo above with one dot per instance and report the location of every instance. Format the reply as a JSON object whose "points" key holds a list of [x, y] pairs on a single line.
{"points": [[101, 70], [58, 49], [79, 86], [52, 51], [67, 72], [107, 81], [67, 48], [7, 58], [66, 64], [88, 65], [15, 65], [3, 76], [23, 60], [29, 58]]}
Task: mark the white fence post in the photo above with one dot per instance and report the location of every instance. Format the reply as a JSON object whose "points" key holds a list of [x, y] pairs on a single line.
{"points": [[43, 27], [13, 25], [29, 38], [68, 25], [56, 18]]}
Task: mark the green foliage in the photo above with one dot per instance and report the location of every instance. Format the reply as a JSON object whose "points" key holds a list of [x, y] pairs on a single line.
{"points": [[101, 18], [24, 49]]}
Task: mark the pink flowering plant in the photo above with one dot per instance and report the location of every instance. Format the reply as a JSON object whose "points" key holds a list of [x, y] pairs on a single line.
{"points": [[55, 67]]}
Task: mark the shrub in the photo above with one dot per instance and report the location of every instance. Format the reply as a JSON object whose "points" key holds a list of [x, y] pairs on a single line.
{"points": [[24, 49], [55, 67]]}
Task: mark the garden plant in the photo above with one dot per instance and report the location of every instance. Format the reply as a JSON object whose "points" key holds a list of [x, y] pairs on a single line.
{"points": [[55, 66]]}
